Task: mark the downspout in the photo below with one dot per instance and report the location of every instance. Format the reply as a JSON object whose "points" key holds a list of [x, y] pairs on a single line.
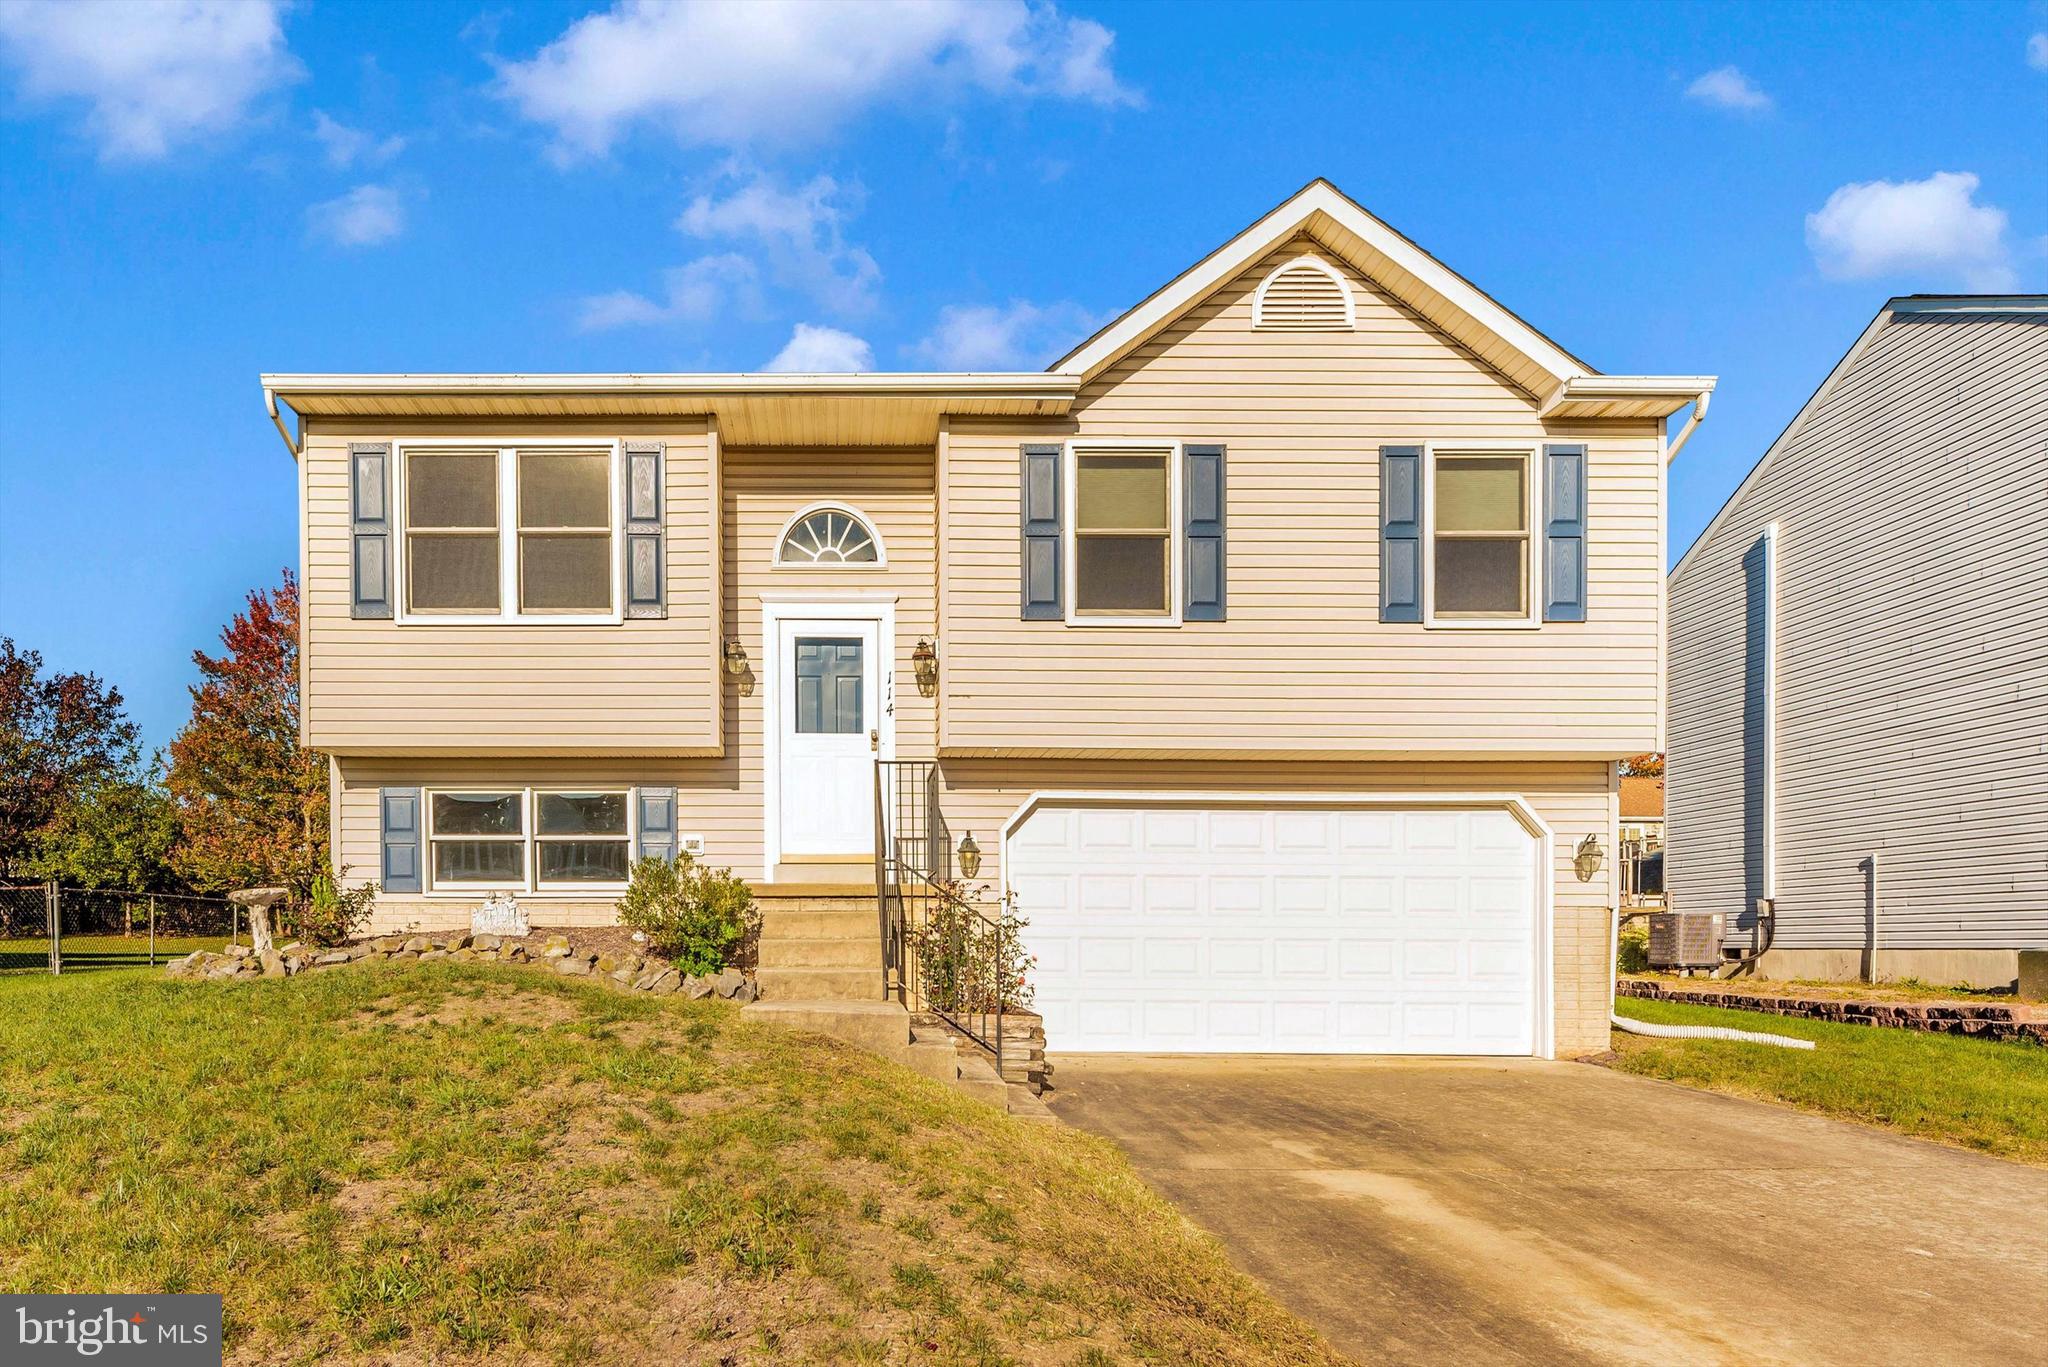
{"points": [[277, 421], [1699, 411]]}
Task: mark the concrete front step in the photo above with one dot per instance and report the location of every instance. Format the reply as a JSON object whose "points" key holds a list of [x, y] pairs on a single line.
{"points": [[820, 984], [884, 1028], [831, 924], [810, 952]]}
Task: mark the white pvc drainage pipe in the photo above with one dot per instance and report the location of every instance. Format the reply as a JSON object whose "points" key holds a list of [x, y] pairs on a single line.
{"points": [[1705, 1032]]}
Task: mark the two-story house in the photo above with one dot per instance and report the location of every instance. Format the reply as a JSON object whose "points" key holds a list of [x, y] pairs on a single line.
{"points": [[1276, 648]]}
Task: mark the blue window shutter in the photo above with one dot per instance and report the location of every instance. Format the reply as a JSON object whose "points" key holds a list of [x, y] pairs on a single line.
{"points": [[369, 547], [1203, 466], [658, 823], [1040, 598], [1400, 533], [399, 814], [1564, 533], [646, 567]]}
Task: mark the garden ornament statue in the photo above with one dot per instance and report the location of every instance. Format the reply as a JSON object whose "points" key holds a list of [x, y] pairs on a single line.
{"points": [[500, 914]]}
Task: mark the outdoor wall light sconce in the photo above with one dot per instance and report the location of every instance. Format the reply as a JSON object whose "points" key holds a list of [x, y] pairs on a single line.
{"points": [[970, 856], [924, 659], [737, 665], [1589, 858]]}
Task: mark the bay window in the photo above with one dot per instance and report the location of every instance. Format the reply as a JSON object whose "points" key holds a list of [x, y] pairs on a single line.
{"points": [[529, 839], [510, 533]]}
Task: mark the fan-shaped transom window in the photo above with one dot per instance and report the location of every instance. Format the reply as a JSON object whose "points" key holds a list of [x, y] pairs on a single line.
{"points": [[1303, 295], [829, 536]]}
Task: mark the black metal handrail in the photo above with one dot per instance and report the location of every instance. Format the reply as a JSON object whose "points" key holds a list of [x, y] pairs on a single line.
{"points": [[943, 951]]}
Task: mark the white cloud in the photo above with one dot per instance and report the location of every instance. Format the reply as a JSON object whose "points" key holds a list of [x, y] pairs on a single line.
{"points": [[800, 236], [1933, 226], [2037, 52], [1018, 336], [814, 350], [691, 293], [154, 73], [345, 146], [739, 73], [366, 216], [1727, 88]]}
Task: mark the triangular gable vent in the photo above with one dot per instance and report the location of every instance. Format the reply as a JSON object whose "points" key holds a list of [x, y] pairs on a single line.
{"points": [[1303, 295]]}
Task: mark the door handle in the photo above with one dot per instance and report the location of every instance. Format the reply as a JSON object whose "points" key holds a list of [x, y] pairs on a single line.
{"points": [[875, 741]]}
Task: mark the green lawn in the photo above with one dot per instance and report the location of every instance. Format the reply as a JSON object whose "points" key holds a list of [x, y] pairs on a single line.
{"points": [[1980, 1095], [84, 953], [452, 1162]]}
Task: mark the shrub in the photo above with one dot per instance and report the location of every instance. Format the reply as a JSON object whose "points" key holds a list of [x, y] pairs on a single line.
{"points": [[330, 915], [1632, 948], [695, 917], [969, 957]]}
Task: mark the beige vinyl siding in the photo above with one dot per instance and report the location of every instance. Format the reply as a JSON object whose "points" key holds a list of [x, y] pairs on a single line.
{"points": [[1575, 800], [1912, 682], [384, 687], [719, 798], [1302, 667]]}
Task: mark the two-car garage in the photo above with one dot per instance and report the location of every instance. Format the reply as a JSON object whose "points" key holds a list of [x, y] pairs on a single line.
{"points": [[1170, 924]]}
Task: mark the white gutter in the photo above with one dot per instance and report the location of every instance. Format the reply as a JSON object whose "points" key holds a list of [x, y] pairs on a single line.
{"points": [[1029, 384], [1699, 410], [270, 403]]}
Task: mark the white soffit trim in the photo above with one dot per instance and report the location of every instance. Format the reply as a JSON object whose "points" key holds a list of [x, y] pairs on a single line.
{"points": [[1296, 215]]}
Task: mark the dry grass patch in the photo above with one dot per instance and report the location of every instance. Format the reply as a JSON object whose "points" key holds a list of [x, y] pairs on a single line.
{"points": [[465, 1163]]}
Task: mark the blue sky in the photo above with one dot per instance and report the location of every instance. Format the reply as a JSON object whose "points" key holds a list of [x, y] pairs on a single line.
{"points": [[193, 195]]}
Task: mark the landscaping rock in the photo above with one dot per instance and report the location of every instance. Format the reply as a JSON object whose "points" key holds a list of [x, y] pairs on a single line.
{"points": [[606, 963], [623, 976], [480, 943], [572, 965], [223, 968], [747, 991], [728, 982], [404, 954], [433, 954], [273, 965], [696, 988], [517, 955], [418, 944], [334, 956], [286, 949], [665, 983], [239, 951], [555, 947], [389, 944], [461, 939]]}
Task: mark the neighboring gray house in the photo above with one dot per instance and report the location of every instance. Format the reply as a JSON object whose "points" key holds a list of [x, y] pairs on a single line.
{"points": [[1859, 663]]}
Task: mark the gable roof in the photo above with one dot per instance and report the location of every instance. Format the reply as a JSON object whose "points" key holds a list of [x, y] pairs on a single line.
{"points": [[1561, 383], [1959, 305]]}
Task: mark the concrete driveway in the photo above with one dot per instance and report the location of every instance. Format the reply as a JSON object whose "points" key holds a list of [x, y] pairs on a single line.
{"points": [[1520, 1211]]}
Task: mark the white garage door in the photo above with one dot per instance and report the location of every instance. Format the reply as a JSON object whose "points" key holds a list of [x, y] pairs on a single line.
{"points": [[1179, 928]]}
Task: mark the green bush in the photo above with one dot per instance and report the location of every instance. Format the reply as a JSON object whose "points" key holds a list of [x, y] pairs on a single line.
{"points": [[329, 915], [692, 916], [1632, 949], [971, 957]]}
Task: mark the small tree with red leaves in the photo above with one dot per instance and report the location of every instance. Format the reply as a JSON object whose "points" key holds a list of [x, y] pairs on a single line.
{"points": [[252, 803]]}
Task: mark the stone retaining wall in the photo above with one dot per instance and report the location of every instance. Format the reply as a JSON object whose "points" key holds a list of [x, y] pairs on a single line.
{"points": [[1981, 1019], [625, 969]]}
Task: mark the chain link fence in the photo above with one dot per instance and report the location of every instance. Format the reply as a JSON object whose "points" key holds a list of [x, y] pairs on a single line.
{"points": [[47, 928]]}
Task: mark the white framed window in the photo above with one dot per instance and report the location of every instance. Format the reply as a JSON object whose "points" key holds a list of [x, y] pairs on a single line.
{"points": [[508, 531], [830, 536], [556, 839], [1123, 533], [1479, 537]]}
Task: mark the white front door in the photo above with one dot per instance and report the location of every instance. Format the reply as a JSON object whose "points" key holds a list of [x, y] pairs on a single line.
{"points": [[829, 723], [1182, 927]]}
